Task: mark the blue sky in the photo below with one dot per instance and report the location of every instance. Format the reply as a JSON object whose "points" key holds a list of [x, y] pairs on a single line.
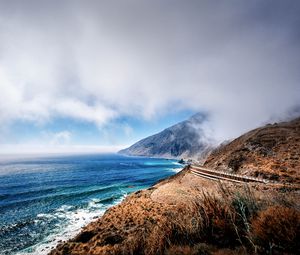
{"points": [[67, 132], [80, 75]]}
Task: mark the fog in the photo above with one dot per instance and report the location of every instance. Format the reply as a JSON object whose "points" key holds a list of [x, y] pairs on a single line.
{"points": [[97, 61]]}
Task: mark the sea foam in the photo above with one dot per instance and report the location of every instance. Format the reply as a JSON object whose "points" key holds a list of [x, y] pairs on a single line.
{"points": [[70, 223]]}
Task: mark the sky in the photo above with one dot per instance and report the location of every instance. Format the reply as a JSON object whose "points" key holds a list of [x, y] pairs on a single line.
{"points": [[100, 75]]}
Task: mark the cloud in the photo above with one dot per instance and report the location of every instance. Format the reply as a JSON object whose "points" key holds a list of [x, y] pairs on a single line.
{"points": [[11, 150], [97, 61], [63, 137], [54, 143], [82, 111]]}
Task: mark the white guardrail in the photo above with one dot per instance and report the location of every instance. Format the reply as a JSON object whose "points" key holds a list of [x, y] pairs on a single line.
{"points": [[213, 174]]}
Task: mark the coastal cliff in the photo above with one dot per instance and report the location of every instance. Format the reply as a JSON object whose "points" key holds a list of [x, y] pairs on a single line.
{"points": [[188, 214]]}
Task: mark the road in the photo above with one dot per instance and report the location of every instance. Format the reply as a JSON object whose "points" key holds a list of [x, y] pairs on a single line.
{"points": [[219, 175]]}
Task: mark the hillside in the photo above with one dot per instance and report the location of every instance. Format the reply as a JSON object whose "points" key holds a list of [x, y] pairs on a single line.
{"points": [[272, 152], [187, 214], [183, 140]]}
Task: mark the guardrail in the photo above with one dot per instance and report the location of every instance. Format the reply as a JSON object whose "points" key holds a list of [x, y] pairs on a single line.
{"points": [[213, 174], [221, 175]]}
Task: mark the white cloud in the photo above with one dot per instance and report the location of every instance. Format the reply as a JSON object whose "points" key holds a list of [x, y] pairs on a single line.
{"points": [[127, 129], [63, 137], [82, 111], [54, 143], [22, 149], [97, 60]]}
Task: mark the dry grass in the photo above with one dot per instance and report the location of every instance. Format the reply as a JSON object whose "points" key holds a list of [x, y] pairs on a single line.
{"points": [[234, 221], [277, 228], [271, 152], [185, 214], [198, 249]]}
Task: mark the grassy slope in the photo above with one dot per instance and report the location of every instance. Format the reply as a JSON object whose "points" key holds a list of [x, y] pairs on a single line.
{"points": [[186, 214], [189, 215], [271, 152]]}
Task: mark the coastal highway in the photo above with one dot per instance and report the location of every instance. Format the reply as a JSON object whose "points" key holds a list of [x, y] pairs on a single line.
{"points": [[219, 175], [214, 175]]}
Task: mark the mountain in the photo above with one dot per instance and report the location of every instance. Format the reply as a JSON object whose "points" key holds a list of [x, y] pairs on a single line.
{"points": [[183, 140], [272, 152]]}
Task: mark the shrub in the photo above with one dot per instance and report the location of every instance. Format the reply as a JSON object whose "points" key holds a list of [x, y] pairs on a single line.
{"points": [[277, 228], [218, 216], [180, 250], [199, 249]]}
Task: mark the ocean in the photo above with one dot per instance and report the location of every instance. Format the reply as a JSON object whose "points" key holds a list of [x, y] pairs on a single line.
{"points": [[46, 200]]}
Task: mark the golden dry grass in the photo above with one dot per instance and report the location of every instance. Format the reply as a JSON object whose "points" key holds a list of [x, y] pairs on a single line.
{"points": [[279, 227], [234, 219], [271, 152]]}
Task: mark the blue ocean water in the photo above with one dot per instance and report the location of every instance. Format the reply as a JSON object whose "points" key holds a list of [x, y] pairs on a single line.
{"points": [[46, 200]]}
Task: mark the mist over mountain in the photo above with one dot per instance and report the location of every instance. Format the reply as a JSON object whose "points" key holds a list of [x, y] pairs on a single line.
{"points": [[271, 151], [186, 139]]}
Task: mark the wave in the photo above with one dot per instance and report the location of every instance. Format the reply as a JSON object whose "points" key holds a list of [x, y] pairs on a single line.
{"points": [[177, 163], [33, 194], [175, 170], [69, 224], [12, 227], [27, 193], [62, 196]]}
